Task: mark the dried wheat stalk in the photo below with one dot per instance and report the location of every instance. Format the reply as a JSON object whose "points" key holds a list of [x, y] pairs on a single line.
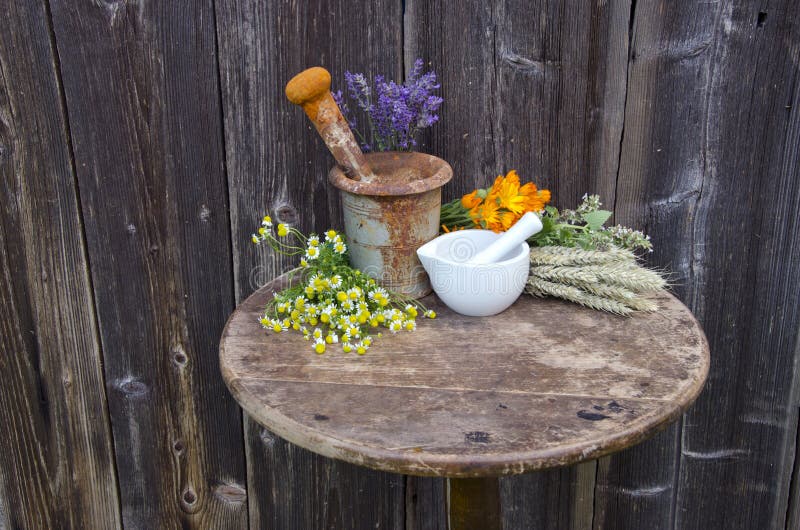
{"points": [[609, 280]]}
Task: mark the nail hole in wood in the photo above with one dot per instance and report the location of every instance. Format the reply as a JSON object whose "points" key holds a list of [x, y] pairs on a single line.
{"points": [[178, 446], [762, 18]]}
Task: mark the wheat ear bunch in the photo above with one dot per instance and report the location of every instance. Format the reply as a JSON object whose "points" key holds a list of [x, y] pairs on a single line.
{"points": [[631, 276], [539, 287], [610, 280], [553, 255]]}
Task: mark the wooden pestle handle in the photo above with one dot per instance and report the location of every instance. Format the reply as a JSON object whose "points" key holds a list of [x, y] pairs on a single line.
{"points": [[311, 89]]}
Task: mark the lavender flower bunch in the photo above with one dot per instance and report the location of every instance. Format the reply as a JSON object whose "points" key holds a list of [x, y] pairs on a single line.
{"points": [[395, 112]]}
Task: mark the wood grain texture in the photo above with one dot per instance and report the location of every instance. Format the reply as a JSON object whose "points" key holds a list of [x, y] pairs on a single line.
{"points": [[426, 508], [548, 397], [141, 87], [709, 169], [277, 163], [56, 459], [535, 86], [539, 87]]}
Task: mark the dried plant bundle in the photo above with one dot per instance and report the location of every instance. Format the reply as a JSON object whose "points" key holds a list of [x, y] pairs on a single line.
{"points": [[610, 280], [539, 287], [553, 255]]}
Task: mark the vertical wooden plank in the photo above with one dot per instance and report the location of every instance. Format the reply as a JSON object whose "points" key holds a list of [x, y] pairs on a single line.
{"points": [[793, 513], [538, 87], [631, 491], [56, 456], [277, 163], [709, 168], [141, 87], [560, 498], [426, 507]]}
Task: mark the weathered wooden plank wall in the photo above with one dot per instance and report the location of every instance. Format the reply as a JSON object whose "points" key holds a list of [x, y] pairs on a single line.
{"points": [[140, 82], [276, 163], [141, 141], [56, 456]]}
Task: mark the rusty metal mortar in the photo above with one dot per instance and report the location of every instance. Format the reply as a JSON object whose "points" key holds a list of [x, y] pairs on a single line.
{"points": [[388, 218]]}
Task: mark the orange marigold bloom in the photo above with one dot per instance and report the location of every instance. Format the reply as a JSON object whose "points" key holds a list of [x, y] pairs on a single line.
{"points": [[471, 200], [534, 200], [507, 220], [489, 212], [504, 203], [509, 194]]}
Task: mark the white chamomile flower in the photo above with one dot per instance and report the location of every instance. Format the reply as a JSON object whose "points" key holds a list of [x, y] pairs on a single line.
{"points": [[354, 293], [395, 326], [347, 305], [317, 333], [312, 253], [313, 241], [330, 235], [361, 348], [347, 347], [410, 325], [335, 281], [339, 247], [430, 313], [266, 222], [331, 337], [319, 346], [277, 325], [325, 315]]}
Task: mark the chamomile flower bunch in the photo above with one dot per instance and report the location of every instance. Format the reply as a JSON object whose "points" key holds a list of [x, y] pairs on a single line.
{"points": [[330, 302]]}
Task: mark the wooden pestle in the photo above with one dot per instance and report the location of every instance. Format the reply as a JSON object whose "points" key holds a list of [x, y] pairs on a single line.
{"points": [[311, 89]]}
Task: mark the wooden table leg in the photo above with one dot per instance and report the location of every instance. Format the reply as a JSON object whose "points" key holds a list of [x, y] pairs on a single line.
{"points": [[473, 503]]}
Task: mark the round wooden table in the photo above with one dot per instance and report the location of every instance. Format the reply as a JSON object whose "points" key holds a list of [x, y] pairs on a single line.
{"points": [[545, 383]]}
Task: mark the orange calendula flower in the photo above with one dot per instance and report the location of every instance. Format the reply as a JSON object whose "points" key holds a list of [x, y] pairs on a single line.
{"points": [[471, 200], [489, 213], [496, 208], [534, 200], [509, 194]]}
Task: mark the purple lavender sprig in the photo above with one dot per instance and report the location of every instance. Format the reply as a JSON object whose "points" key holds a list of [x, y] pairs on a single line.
{"points": [[395, 112]]}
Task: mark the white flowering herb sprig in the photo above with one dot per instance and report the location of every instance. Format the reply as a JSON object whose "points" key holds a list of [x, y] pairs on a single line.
{"points": [[332, 303], [585, 228]]}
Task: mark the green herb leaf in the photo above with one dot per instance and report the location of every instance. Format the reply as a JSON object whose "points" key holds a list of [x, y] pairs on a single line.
{"points": [[594, 220]]}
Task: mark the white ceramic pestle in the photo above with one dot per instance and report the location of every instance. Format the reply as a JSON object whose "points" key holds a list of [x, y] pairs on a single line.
{"points": [[525, 227]]}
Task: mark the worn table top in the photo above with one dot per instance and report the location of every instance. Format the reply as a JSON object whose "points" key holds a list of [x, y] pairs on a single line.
{"points": [[546, 383]]}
